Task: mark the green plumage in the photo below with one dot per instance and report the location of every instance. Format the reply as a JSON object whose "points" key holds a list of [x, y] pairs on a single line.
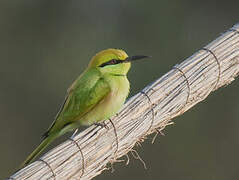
{"points": [[97, 94]]}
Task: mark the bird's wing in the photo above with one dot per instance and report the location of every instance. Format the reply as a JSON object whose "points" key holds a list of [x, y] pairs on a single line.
{"points": [[84, 94]]}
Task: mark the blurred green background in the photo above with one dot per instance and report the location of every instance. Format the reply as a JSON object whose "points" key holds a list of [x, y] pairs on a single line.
{"points": [[45, 45]]}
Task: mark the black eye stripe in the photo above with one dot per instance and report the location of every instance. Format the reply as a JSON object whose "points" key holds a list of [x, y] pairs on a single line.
{"points": [[111, 62]]}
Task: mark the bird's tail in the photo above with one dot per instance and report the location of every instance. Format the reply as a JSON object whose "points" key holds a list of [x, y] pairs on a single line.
{"points": [[39, 149]]}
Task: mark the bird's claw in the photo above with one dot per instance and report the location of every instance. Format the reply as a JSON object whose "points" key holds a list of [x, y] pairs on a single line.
{"points": [[102, 125], [74, 134]]}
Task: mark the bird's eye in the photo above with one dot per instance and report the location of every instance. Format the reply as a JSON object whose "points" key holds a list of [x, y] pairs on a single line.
{"points": [[110, 62], [113, 61]]}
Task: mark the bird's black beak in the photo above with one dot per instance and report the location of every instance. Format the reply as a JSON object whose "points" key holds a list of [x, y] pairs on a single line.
{"points": [[134, 58], [127, 60]]}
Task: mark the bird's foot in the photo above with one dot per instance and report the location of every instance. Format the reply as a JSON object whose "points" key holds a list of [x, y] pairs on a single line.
{"points": [[74, 134], [102, 125]]}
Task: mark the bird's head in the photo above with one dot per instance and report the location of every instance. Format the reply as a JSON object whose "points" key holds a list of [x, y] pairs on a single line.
{"points": [[113, 61]]}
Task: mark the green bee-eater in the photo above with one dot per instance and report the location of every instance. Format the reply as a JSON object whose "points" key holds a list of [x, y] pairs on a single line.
{"points": [[96, 95]]}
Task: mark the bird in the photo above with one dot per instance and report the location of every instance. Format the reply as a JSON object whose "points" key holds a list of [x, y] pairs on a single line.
{"points": [[96, 95]]}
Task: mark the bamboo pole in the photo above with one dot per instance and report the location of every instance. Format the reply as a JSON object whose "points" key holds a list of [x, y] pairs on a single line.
{"points": [[186, 84]]}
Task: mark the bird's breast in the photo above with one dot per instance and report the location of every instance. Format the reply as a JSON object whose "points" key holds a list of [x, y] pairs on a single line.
{"points": [[119, 91], [111, 104]]}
